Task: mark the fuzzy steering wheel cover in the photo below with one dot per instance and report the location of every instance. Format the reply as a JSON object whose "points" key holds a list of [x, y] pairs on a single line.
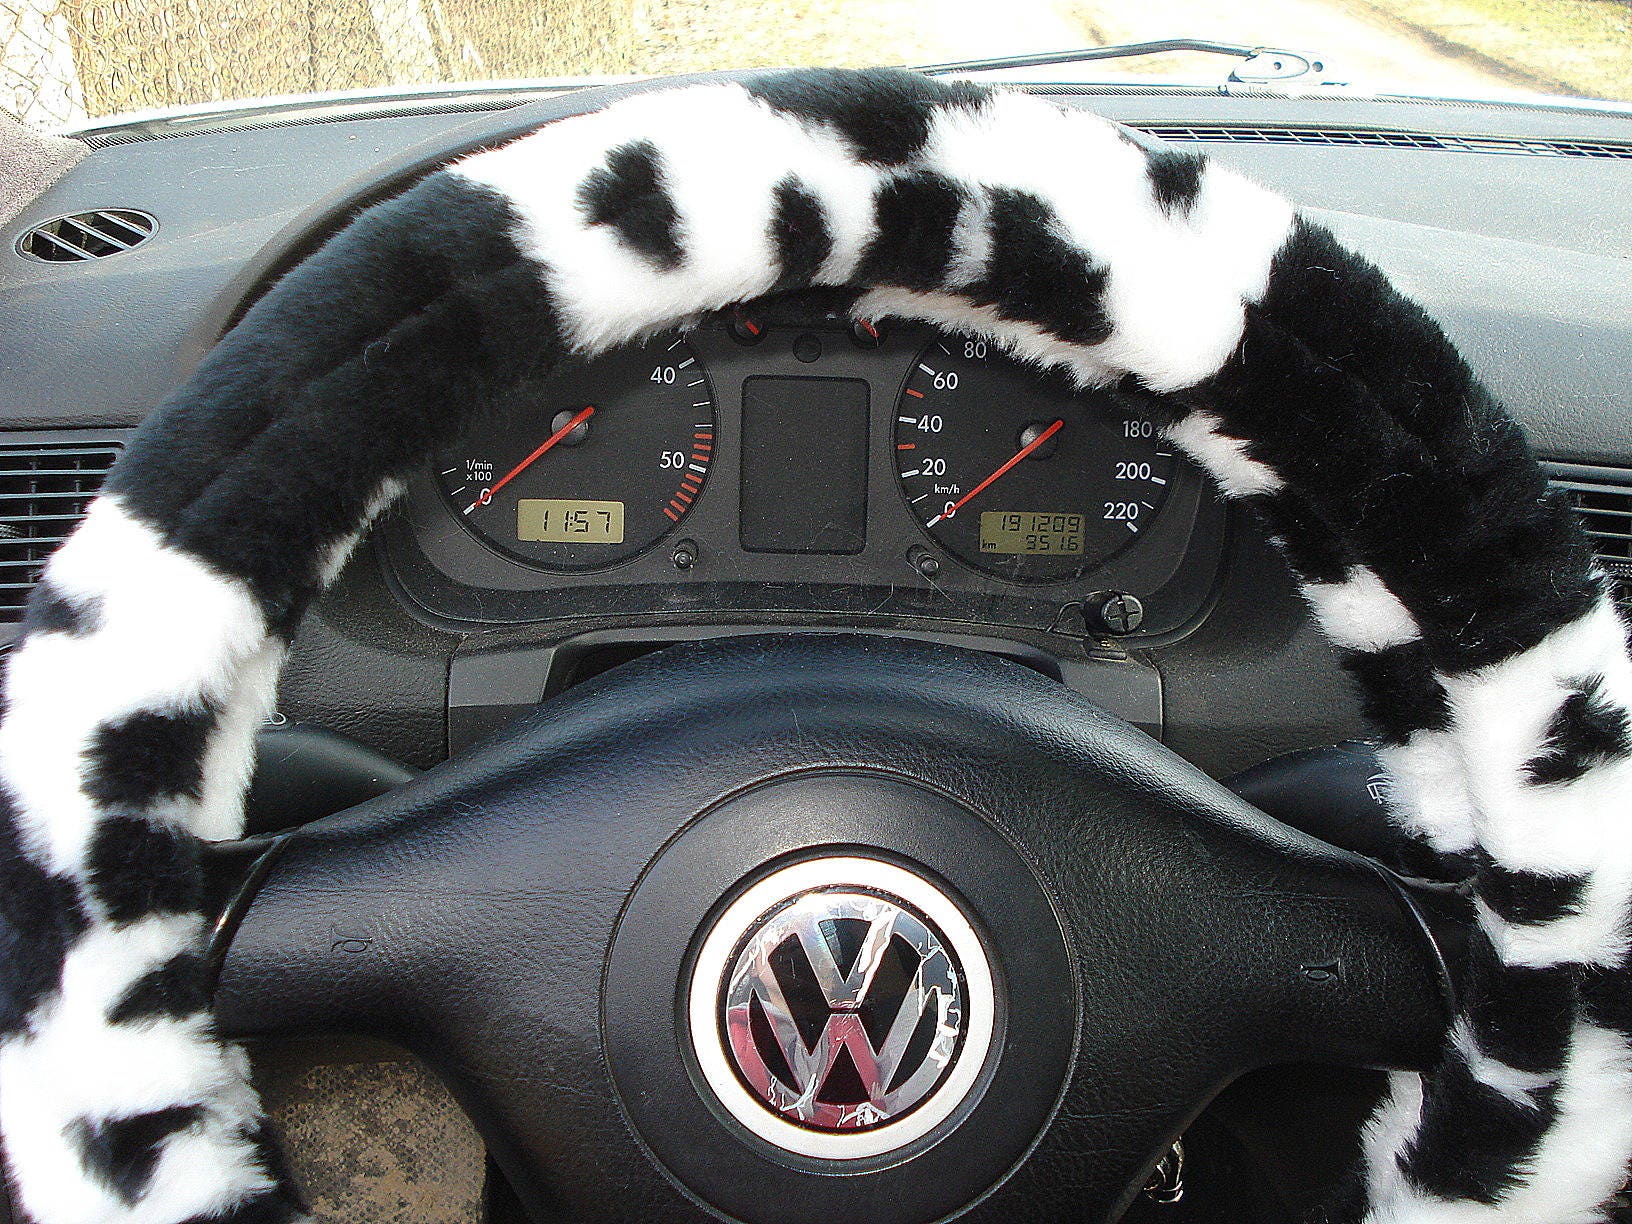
{"points": [[1457, 590]]}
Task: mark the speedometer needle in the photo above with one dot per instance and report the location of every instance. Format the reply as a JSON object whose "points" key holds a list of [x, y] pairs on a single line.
{"points": [[487, 493], [1012, 460]]}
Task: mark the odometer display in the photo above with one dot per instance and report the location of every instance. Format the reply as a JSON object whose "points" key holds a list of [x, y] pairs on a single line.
{"points": [[1018, 475], [1031, 533], [590, 468]]}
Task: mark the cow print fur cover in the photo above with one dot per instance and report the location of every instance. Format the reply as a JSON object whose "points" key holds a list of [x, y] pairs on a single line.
{"points": [[1456, 588]]}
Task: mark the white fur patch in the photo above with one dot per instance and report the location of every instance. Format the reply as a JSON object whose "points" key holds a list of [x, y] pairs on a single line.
{"points": [[1502, 714], [172, 633], [73, 1066], [1428, 793], [1234, 471], [1360, 613]]}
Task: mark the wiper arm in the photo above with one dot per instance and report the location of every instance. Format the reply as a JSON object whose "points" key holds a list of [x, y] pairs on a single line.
{"points": [[1258, 64]]}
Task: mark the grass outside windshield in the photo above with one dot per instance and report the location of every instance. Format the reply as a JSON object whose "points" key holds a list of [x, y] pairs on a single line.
{"points": [[66, 61]]}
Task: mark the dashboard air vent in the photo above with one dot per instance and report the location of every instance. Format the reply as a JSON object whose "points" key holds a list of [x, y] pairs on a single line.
{"points": [[1387, 139], [89, 235], [43, 494], [1602, 499]]}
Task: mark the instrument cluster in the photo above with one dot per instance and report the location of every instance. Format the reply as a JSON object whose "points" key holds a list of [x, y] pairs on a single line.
{"points": [[792, 460]]}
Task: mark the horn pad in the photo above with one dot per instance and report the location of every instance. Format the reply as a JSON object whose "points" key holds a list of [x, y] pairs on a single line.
{"points": [[815, 979]]}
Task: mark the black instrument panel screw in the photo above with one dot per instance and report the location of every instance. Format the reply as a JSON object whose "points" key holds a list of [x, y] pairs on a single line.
{"points": [[685, 554], [1118, 613]]}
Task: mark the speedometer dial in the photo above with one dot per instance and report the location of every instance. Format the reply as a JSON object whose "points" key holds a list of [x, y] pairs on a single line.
{"points": [[1019, 477], [591, 468]]}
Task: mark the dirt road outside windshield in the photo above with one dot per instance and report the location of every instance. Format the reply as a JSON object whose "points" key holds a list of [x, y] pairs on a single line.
{"points": [[65, 61]]}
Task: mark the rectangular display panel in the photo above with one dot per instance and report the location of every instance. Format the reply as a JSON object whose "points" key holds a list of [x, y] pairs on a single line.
{"points": [[562, 520], [804, 465], [1031, 532]]}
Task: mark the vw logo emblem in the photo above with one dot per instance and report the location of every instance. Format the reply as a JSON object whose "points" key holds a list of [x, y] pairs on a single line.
{"points": [[841, 1007]]}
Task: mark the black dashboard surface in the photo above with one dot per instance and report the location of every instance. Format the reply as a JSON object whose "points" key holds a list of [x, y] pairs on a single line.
{"points": [[1512, 226]]}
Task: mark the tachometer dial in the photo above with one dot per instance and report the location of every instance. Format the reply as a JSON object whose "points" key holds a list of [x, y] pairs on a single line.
{"points": [[593, 467], [1020, 477]]}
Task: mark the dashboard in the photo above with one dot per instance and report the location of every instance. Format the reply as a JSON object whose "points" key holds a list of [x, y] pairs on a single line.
{"points": [[784, 469]]}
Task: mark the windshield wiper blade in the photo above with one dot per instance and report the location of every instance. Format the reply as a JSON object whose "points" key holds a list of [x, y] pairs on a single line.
{"points": [[1258, 64]]}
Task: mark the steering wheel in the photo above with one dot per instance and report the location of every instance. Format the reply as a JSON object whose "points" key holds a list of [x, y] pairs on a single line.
{"points": [[821, 926], [563, 921]]}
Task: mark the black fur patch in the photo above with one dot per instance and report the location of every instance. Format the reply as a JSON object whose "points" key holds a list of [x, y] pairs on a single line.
{"points": [[376, 415], [1527, 897], [1035, 276], [50, 611], [882, 113], [1473, 1141], [1313, 549], [123, 1152], [1399, 693], [629, 194], [175, 990], [1606, 997], [1431, 525], [1588, 730], [914, 217], [801, 235], [147, 756], [139, 867], [392, 262], [1175, 179], [1520, 1016], [40, 918]]}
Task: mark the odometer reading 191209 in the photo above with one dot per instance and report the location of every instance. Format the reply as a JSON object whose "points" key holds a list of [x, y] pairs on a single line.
{"points": [[1021, 477]]}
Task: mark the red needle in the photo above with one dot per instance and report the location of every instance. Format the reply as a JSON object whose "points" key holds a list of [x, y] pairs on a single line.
{"points": [[487, 493], [1012, 460]]}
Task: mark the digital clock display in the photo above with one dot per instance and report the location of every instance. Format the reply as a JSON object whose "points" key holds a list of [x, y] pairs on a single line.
{"points": [[550, 520], [1031, 533]]}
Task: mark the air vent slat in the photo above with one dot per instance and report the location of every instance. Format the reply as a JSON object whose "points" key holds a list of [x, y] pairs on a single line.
{"points": [[101, 235], [1603, 507], [87, 235], [44, 491], [1387, 139]]}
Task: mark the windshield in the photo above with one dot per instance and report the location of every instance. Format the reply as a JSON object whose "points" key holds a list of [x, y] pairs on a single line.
{"points": [[64, 62]]}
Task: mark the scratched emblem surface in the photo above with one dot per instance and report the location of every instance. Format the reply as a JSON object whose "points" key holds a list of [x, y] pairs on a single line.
{"points": [[843, 1009]]}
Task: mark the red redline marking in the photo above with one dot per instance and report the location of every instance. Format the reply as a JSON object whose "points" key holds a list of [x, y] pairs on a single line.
{"points": [[672, 515], [677, 505], [692, 489], [915, 394], [703, 437], [906, 446], [682, 496], [703, 446]]}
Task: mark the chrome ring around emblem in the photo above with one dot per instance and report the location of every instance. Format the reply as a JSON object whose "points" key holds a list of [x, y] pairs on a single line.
{"points": [[841, 1008]]}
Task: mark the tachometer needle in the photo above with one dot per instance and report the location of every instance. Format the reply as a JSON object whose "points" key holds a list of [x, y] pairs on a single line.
{"points": [[487, 493], [1009, 463]]}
